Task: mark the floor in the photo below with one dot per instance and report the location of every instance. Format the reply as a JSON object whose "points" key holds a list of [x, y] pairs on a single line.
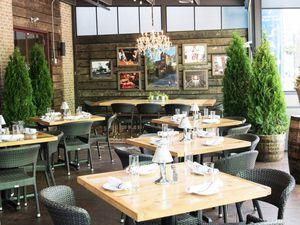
{"points": [[103, 213]]}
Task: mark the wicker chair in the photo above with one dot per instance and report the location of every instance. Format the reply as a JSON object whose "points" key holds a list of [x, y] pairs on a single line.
{"points": [[224, 130], [278, 222], [147, 111], [280, 182], [73, 141], [170, 108], [149, 128], [12, 174], [60, 203], [219, 108], [241, 129]]}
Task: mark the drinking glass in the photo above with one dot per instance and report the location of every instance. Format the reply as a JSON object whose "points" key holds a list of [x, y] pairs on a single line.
{"points": [[205, 113], [164, 129], [134, 171], [177, 111], [209, 173], [48, 111], [188, 161], [212, 114], [79, 110], [15, 129], [185, 113], [21, 126]]}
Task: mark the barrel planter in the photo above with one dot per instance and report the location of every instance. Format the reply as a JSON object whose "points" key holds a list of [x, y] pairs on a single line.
{"points": [[271, 148], [294, 148]]}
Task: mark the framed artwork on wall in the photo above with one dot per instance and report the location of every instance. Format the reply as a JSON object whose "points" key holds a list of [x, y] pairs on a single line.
{"points": [[195, 79], [128, 56], [161, 73], [218, 63], [129, 81], [101, 69], [194, 54]]}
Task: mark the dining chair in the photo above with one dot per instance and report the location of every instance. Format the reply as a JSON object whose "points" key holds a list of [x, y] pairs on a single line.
{"points": [[72, 141], [280, 182], [150, 128], [241, 129], [170, 108], [125, 114], [13, 175], [219, 108], [224, 130], [146, 112], [60, 204]]}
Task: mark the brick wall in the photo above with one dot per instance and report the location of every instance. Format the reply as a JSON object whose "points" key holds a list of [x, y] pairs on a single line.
{"points": [[67, 60], [6, 38]]}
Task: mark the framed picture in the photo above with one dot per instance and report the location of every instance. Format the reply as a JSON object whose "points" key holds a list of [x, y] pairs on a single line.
{"points": [[100, 69], [161, 73], [194, 54], [218, 64], [128, 56], [129, 81], [195, 79]]}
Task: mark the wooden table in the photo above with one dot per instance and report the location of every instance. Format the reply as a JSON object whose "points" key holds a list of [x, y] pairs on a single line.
{"points": [[61, 121], [40, 138], [223, 122], [153, 201], [200, 102], [195, 146]]}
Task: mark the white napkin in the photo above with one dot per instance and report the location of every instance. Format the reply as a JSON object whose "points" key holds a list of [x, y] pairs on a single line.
{"points": [[12, 137], [30, 130], [168, 133], [202, 133], [214, 141], [211, 121], [55, 113], [158, 141], [118, 184], [147, 169], [197, 168], [178, 117], [205, 188], [73, 117]]}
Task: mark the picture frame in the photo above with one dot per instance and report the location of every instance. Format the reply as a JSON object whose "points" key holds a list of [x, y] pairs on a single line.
{"points": [[128, 56], [195, 79], [101, 69], [129, 80], [161, 73], [193, 54], [218, 64]]}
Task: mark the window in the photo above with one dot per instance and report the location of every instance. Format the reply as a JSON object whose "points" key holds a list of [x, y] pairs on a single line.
{"points": [[129, 20], [25, 41], [107, 21], [234, 17], [282, 29], [146, 19], [86, 21], [180, 18], [201, 15]]}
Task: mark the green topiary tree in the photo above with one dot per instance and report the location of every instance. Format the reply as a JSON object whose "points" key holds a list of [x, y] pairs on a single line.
{"points": [[17, 96], [236, 78], [40, 80], [267, 109]]}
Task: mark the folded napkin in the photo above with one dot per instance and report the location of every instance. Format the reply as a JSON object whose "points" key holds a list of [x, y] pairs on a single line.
{"points": [[214, 141], [167, 133], [158, 141], [203, 133], [199, 169], [207, 188], [118, 184], [74, 117], [178, 117], [211, 121], [54, 113], [30, 131], [147, 169], [12, 137]]}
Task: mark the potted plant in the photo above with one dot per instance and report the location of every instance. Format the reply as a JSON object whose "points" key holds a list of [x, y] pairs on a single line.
{"points": [[297, 85], [266, 105], [157, 96], [236, 78], [17, 94]]}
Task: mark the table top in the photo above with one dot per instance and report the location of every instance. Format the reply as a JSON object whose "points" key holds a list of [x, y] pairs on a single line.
{"points": [[153, 201], [39, 138], [61, 121], [196, 146], [223, 122], [200, 102]]}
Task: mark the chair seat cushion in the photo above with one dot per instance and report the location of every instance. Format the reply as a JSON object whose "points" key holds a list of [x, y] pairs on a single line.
{"points": [[76, 144], [10, 178]]}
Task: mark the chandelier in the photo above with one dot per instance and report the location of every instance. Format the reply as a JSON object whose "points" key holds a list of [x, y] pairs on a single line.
{"points": [[152, 44]]}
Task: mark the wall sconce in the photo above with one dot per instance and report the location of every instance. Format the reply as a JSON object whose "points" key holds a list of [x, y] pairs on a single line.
{"points": [[34, 20], [62, 48]]}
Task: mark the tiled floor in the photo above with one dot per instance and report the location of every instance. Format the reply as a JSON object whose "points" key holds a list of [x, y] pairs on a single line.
{"points": [[103, 213]]}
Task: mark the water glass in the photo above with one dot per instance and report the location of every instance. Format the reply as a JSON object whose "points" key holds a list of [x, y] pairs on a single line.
{"points": [[79, 110], [134, 171], [185, 113], [205, 113], [209, 173], [21, 126], [188, 161], [48, 110], [15, 129], [177, 111], [212, 114]]}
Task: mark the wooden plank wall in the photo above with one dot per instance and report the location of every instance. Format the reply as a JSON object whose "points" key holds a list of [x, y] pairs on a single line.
{"points": [[97, 47]]}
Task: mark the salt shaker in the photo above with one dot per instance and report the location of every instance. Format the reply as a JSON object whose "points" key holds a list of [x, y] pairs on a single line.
{"points": [[174, 174]]}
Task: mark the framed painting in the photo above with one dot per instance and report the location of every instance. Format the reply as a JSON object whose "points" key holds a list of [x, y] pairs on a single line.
{"points": [[194, 54], [128, 56], [100, 69], [161, 72], [129, 81], [195, 79], [218, 63]]}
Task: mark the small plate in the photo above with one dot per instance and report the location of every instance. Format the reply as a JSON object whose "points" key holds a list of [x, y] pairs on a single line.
{"points": [[210, 191], [109, 187]]}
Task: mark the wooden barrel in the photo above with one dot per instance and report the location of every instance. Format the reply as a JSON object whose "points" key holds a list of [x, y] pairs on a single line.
{"points": [[294, 148], [271, 148]]}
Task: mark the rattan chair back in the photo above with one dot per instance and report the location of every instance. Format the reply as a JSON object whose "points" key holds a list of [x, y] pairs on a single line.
{"points": [[170, 108]]}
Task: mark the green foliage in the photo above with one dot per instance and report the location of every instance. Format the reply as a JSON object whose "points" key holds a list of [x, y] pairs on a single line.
{"points": [[17, 96], [236, 78], [40, 80], [158, 94], [267, 109]]}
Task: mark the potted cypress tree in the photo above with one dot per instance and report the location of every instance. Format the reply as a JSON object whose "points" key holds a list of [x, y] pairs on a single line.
{"points": [[267, 109], [236, 78], [40, 80], [17, 94]]}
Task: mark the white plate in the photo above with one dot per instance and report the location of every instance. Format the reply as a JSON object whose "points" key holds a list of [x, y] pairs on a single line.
{"points": [[210, 191], [109, 187], [214, 141], [211, 121]]}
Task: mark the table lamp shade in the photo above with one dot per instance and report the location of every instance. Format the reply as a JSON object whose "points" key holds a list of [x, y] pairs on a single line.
{"points": [[2, 120], [185, 123], [64, 106], [162, 155], [194, 107]]}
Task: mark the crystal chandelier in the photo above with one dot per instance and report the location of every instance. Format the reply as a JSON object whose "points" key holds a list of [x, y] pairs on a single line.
{"points": [[152, 44]]}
